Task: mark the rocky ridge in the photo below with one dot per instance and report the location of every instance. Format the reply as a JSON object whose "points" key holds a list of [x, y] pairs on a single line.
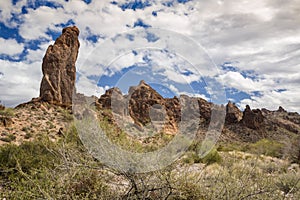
{"points": [[143, 106]]}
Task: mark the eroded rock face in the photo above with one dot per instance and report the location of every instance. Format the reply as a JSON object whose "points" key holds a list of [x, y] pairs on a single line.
{"points": [[59, 72], [144, 106], [233, 114], [252, 118], [142, 98]]}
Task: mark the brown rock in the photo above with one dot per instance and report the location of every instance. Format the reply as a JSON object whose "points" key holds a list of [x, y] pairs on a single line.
{"points": [[281, 109], [143, 105], [113, 99], [252, 118], [59, 72], [142, 98], [205, 109], [233, 114]]}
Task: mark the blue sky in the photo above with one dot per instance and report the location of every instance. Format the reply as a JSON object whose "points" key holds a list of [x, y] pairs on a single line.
{"points": [[191, 47]]}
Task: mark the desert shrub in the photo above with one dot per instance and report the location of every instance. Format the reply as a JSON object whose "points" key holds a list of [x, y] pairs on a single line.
{"points": [[212, 157], [291, 149], [27, 157], [67, 116], [42, 169], [231, 146], [266, 147], [8, 138], [9, 112], [191, 157], [289, 182], [28, 136]]}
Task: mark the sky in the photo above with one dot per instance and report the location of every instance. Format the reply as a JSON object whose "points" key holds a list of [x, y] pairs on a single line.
{"points": [[244, 51]]}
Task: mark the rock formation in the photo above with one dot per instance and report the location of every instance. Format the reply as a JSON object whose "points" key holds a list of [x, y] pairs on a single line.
{"points": [[233, 114], [59, 72], [144, 105], [142, 98], [252, 118]]}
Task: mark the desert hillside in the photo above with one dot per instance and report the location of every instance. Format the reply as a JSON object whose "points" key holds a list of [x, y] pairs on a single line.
{"points": [[43, 155]]}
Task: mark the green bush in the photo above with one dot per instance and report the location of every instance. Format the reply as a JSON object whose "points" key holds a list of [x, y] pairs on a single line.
{"points": [[9, 112], [212, 157], [27, 157], [192, 156], [266, 147], [8, 138]]}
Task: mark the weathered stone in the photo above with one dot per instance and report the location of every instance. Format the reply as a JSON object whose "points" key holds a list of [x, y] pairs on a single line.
{"points": [[252, 118], [281, 109], [205, 109], [142, 98], [233, 114], [59, 72]]}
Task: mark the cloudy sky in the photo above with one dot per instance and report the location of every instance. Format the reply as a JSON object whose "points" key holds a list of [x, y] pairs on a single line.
{"points": [[192, 47]]}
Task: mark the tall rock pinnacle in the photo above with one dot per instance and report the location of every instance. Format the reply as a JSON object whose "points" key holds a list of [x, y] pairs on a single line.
{"points": [[59, 72]]}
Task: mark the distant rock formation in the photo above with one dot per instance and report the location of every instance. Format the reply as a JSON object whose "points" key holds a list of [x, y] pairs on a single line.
{"points": [[59, 72], [233, 114], [252, 118], [144, 105], [142, 98]]}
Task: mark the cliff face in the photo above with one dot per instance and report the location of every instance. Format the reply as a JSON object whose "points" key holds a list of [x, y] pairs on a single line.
{"points": [[59, 71]]}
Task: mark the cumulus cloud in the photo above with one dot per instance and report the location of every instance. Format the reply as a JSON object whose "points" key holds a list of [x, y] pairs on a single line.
{"points": [[38, 22], [10, 47], [20, 82]]}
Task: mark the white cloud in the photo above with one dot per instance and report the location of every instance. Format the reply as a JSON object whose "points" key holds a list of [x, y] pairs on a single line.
{"points": [[10, 47], [38, 54], [20, 82], [272, 100], [38, 22], [89, 87], [236, 80]]}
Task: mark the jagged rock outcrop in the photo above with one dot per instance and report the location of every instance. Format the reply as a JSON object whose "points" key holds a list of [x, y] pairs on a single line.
{"points": [[252, 118], [142, 99], [59, 72], [205, 109], [281, 109], [233, 114], [144, 106]]}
